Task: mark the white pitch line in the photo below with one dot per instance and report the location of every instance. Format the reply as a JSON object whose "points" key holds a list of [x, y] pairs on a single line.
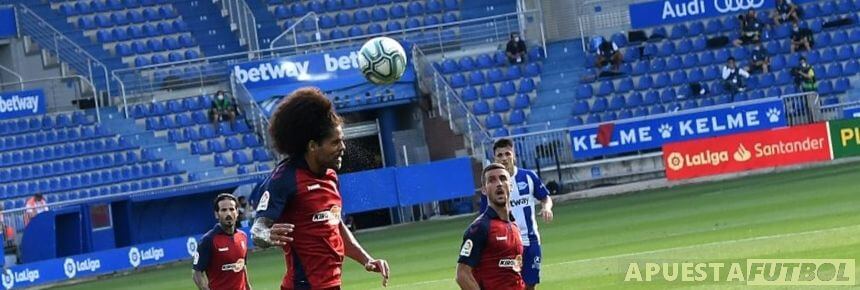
{"points": [[777, 236]]}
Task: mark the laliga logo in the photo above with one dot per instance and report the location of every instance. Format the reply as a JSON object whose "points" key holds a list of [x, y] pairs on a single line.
{"points": [[134, 257], [8, 279], [736, 5], [191, 246], [69, 268], [675, 161]]}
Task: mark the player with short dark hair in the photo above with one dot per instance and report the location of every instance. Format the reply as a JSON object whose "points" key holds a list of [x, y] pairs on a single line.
{"points": [[223, 251], [491, 255], [300, 207]]}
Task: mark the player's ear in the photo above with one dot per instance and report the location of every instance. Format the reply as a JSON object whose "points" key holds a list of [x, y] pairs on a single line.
{"points": [[312, 145]]}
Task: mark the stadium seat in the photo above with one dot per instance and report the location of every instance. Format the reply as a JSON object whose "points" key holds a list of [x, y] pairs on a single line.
{"points": [[469, 94], [507, 89], [488, 91], [599, 105], [606, 88], [493, 121], [583, 92], [480, 108], [522, 101], [495, 75], [239, 157], [476, 78]]}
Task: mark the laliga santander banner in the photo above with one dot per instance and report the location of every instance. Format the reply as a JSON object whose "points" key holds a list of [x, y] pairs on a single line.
{"points": [[747, 151]]}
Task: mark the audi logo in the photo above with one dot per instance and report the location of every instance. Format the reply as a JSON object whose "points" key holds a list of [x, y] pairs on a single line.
{"points": [[724, 6]]}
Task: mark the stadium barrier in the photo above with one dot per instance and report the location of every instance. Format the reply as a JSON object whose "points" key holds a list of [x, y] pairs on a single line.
{"points": [[841, 110], [55, 94], [803, 108], [845, 137]]}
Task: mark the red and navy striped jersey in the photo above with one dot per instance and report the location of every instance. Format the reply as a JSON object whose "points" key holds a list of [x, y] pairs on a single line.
{"points": [[295, 195], [494, 250], [222, 256]]}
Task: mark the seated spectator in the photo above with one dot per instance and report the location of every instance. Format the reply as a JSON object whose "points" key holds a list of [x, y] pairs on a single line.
{"points": [[608, 51], [516, 49], [801, 38], [222, 108], [760, 60], [804, 76], [785, 10], [751, 29], [734, 78], [35, 205]]}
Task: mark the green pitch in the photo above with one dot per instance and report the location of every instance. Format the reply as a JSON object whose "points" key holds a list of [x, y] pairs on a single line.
{"points": [[812, 213]]}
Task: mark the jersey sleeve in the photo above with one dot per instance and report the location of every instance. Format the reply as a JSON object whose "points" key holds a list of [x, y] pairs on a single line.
{"points": [[276, 194], [204, 254], [474, 242], [540, 189]]}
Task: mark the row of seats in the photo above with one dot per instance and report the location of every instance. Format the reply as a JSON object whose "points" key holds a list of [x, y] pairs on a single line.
{"points": [[357, 23], [101, 191], [483, 61], [147, 30], [495, 121], [160, 58], [60, 151], [206, 131], [489, 91], [240, 158], [71, 166], [24, 125], [104, 20], [232, 142], [500, 105], [414, 8], [97, 6], [171, 106], [216, 146], [260, 167], [52, 137], [84, 180], [494, 75]]}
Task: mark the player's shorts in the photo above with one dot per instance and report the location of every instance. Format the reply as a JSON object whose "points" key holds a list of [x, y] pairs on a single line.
{"points": [[531, 265]]}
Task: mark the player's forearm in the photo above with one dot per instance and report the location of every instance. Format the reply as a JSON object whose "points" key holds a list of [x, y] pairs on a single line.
{"points": [[261, 231], [465, 279], [200, 280], [547, 203], [352, 247]]}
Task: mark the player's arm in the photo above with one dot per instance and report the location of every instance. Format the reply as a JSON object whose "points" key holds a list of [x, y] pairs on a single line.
{"points": [[465, 278], [471, 249], [266, 233], [542, 194], [356, 252], [201, 262]]}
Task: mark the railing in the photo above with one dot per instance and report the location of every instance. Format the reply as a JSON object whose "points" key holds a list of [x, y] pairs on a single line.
{"points": [[57, 92], [252, 112], [282, 40], [16, 75], [243, 19], [142, 84], [451, 106], [833, 112], [802, 108], [66, 50]]}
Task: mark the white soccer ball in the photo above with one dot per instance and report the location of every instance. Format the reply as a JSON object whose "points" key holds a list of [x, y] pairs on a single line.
{"points": [[382, 60]]}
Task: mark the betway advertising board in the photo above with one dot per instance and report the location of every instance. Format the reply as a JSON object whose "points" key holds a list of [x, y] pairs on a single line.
{"points": [[654, 131], [747, 151], [337, 69], [21, 104], [656, 13]]}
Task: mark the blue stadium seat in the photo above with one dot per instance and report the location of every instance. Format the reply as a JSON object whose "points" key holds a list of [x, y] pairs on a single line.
{"points": [[599, 105], [522, 101], [480, 108], [261, 155], [845, 53], [337, 34], [667, 95], [516, 117], [250, 140], [606, 88], [412, 23], [501, 105], [488, 91], [592, 119], [507, 89], [476, 78], [343, 19], [222, 160], [397, 11], [679, 78], [361, 17], [86, 22], [449, 18], [123, 49], [393, 26], [678, 31], [493, 121], [458, 81], [103, 21], [841, 85], [374, 28], [469, 94], [662, 81], [415, 8], [640, 68], [239, 157], [191, 54], [584, 92], [158, 59], [666, 49], [500, 132], [449, 66], [851, 67], [617, 103]]}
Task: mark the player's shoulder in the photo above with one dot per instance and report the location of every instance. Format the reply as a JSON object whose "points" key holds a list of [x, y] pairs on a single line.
{"points": [[282, 177], [480, 224], [208, 236], [242, 233], [526, 172]]}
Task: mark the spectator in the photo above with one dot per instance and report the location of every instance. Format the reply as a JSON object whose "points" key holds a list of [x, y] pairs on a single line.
{"points": [[804, 76], [760, 60], [785, 10], [222, 108], [608, 51], [35, 205], [516, 49], [751, 29], [734, 78], [801, 38]]}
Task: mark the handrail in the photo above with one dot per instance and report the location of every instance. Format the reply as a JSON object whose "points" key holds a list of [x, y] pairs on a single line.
{"points": [[86, 80], [293, 28], [72, 43], [20, 79], [122, 92]]}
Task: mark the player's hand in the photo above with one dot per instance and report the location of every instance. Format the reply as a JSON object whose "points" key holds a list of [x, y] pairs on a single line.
{"points": [[546, 214], [379, 266], [279, 234]]}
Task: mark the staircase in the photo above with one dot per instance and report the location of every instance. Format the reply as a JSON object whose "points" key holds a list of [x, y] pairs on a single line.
{"points": [[562, 69], [267, 25], [211, 30]]}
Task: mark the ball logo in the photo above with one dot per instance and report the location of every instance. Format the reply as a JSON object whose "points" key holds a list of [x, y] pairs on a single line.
{"points": [[675, 161], [191, 246], [8, 279], [134, 257], [742, 155], [724, 6], [69, 268]]}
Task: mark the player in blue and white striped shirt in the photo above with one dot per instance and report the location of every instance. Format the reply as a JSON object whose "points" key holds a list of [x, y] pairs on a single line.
{"points": [[526, 190]]}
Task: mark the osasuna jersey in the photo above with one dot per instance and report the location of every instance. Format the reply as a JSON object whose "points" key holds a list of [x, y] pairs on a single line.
{"points": [[525, 192], [222, 256]]}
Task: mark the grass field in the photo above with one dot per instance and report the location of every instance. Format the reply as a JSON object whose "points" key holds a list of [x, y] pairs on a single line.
{"points": [[812, 213]]}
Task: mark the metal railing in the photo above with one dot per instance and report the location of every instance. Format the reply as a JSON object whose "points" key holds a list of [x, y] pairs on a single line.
{"points": [[142, 84], [16, 75], [451, 107], [57, 92], [802, 108], [292, 31], [243, 20], [252, 112], [66, 50], [833, 112]]}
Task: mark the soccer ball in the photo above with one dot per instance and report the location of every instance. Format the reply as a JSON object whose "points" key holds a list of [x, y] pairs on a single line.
{"points": [[382, 60]]}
